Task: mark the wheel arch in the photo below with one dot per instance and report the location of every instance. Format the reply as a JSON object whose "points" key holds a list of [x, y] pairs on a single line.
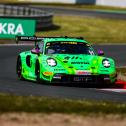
{"points": [[18, 57]]}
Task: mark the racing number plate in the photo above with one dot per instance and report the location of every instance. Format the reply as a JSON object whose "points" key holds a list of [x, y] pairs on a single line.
{"points": [[82, 79], [77, 79], [83, 72]]}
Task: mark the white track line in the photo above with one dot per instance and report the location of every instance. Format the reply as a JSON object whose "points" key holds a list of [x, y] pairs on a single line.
{"points": [[115, 90], [26, 44]]}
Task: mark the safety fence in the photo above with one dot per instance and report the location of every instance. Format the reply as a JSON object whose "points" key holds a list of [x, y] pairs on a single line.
{"points": [[43, 19]]}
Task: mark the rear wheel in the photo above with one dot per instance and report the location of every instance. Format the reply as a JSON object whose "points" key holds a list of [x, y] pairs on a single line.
{"points": [[19, 68]]}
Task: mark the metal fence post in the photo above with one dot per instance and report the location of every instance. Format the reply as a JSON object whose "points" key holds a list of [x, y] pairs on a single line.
{"points": [[11, 10], [29, 11], [4, 9]]}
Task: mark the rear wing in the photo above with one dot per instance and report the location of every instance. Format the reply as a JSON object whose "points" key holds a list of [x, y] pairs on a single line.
{"points": [[35, 38], [28, 38]]}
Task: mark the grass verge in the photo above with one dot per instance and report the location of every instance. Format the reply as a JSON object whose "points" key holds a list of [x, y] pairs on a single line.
{"points": [[9, 103], [95, 30], [121, 70], [121, 73]]}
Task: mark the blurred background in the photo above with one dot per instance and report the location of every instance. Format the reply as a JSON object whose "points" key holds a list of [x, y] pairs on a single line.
{"points": [[98, 21]]}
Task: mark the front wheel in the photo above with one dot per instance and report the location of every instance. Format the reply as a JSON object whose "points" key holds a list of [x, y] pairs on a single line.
{"points": [[37, 71]]}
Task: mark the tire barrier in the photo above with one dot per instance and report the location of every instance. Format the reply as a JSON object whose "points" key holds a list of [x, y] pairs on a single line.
{"points": [[43, 19]]}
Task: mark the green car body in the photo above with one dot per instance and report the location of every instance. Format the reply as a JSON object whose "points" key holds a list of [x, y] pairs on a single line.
{"points": [[64, 59]]}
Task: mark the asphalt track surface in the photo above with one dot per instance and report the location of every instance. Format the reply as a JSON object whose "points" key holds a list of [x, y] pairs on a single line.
{"points": [[10, 84], [80, 12]]}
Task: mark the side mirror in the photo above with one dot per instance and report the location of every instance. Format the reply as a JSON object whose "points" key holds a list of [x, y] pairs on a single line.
{"points": [[100, 52], [35, 51]]}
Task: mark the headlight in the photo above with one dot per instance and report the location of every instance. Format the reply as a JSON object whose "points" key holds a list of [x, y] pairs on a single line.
{"points": [[106, 63], [51, 62]]}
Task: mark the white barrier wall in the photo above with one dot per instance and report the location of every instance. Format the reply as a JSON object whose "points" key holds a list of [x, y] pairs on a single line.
{"points": [[55, 1], [66, 1], [119, 3]]}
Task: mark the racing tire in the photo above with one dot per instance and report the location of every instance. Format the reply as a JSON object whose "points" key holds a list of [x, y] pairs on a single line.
{"points": [[19, 68], [37, 71]]}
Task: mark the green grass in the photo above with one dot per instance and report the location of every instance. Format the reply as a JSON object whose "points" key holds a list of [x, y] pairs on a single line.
{"points": [[121, 74], [9, 103], [95, 30], [9, 1], [121, 70]]}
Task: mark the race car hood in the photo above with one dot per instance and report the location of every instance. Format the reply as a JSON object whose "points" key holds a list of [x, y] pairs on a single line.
{"points": [[79, 62]]}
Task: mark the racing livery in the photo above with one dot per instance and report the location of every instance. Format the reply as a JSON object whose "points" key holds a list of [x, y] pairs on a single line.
{"points": [[64, 59]]}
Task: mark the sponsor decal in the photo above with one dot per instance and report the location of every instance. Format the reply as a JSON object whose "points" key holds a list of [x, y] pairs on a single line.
{"points": [[9, 28], [83, 72], [79, 62]]}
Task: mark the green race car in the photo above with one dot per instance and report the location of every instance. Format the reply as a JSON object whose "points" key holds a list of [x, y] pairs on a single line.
{"points": [[64, 60]]}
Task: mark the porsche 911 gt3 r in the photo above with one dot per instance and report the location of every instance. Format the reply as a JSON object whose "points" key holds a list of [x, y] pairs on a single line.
{"points": [[64, 60]]}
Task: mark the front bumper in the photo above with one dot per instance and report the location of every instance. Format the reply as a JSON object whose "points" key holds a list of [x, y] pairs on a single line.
{"points": [[91, 79]]}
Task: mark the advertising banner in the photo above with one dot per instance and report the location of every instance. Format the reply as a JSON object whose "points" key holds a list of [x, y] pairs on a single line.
{"points": [[9, 28]]}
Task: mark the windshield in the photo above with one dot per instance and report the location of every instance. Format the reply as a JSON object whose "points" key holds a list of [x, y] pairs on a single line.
{"points": [[69, 48]]}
